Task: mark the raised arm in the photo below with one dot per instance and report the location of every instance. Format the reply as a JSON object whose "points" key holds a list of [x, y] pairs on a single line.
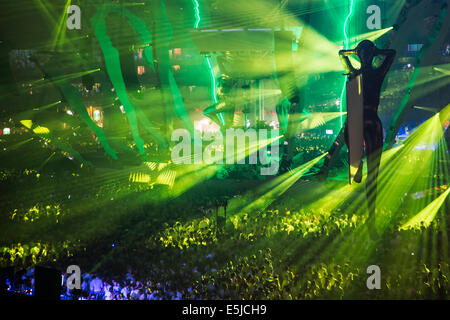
{"points": [[348, 67], [390, 55], [347, 52]]}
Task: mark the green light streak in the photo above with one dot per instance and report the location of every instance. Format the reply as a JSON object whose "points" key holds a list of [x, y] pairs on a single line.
{"points": [[345, 24], [427, 215], [60, 34], [398, 177], [221, 118], [345, 47], [412, 93], [208, 61], [19, 144], [213, 78], [197, 13], [192, 175], [272, 190], [46, 160], [47, 106], [113, 68], [73, 75], [372, 35]]}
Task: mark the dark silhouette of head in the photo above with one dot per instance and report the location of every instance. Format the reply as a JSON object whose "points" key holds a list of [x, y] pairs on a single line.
{"points": [[366, 50]]}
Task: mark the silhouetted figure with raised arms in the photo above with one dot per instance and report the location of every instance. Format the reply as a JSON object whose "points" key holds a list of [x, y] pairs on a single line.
{"points": [[372, 80]]}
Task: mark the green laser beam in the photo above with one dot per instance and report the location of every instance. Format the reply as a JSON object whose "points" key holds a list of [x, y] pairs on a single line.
{"points": [[208, 61], [427, 214], [213, 78], [197, 13]]}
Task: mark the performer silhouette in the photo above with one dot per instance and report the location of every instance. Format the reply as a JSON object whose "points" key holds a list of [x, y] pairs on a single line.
{"points": [[372, 79]]}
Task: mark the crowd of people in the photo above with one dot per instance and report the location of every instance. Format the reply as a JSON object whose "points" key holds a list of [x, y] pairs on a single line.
{"points": [[258, 272], [176, 249], [94, 288], [192, 260]]}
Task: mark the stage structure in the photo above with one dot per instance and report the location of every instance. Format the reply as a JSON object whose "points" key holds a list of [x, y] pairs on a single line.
{"points": [[241, 54]]}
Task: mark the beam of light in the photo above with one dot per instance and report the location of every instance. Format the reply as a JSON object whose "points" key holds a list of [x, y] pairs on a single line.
{"points": [[427, 215], [345, 48], [320, 55], [394, 9], [189, 176], [431, 87], [60, 34], [333, 199], [338, 195], [238, 155], [357, 240], [132, 4], [443, 70], [345, 24], [113, 67], [317, 54], [314, 120], [213, 80], [57, 79], [74, 75], [46, 12], [372, 36], [240, 98], [85, 184], [428, 76], [197, 13], [207, 59], [428, 82], [47, 106], [426, 109], [402, 174], [278, 186], [411, 92], [19, 144], [397, 175], [46, 160]]}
